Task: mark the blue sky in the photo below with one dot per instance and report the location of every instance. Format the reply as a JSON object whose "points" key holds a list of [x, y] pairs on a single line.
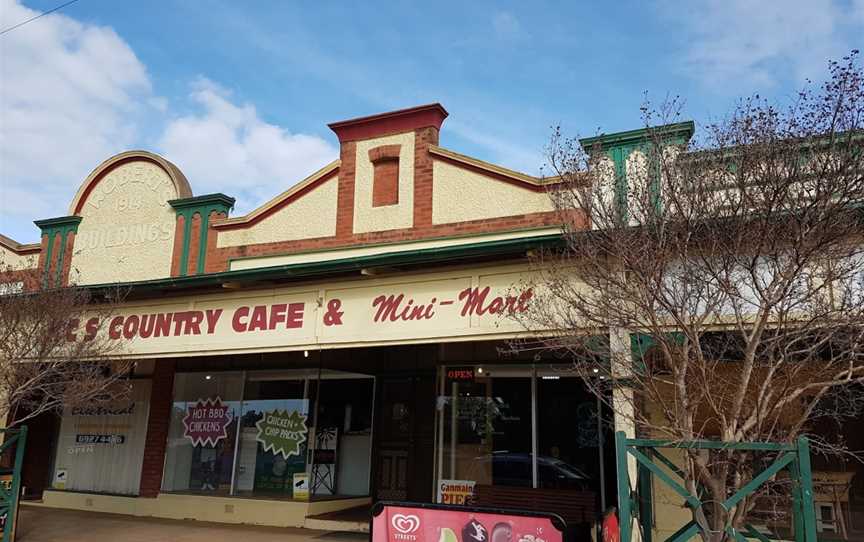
{"points": [[238, 94]]}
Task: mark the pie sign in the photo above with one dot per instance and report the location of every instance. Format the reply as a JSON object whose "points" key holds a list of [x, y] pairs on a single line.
{"points": [[206, 422]]}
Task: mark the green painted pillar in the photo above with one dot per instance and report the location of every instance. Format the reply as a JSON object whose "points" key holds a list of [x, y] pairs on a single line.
{"points": [[53, 227], [203, 206]]}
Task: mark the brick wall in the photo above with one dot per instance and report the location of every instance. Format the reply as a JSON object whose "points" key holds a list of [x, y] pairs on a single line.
{"points": [[161, 398]]}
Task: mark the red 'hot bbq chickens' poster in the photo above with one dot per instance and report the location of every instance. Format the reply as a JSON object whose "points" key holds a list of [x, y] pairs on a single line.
{"points": [[404, 522]]}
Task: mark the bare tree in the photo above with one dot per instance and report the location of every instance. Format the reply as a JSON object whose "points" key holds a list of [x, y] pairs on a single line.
{"points": [[53, 351], [733, 263]]}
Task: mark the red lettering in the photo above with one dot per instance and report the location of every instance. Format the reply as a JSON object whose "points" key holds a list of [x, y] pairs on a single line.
{"points": [[130, 326], [213, 316], [473, 298], [91, 327], [295, 316], [180, 318], [114, 328], [236, 323], [430, 309], [162, 325], [277, 314], [147, 323], [475, 302], [387, 307], [258, 321], [193, 324]]}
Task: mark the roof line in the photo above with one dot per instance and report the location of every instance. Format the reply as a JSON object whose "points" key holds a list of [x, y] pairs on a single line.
{"points": [[17, 247], [284, 198], [493, 169]]}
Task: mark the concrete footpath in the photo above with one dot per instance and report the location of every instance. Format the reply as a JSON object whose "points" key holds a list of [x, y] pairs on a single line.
{"points": [[40, 524]]}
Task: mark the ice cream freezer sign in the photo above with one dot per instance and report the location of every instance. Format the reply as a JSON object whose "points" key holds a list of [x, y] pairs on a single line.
{"points": [[452, 306], [411, 522]]}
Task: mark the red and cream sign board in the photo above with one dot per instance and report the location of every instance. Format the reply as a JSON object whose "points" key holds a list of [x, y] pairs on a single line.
{"points": [[449, 306]]}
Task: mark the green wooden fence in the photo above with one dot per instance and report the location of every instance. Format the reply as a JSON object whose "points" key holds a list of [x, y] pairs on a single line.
{"points": [[795, 458], [10, 489]]}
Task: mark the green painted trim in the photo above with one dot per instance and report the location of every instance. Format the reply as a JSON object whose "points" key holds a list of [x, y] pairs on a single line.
{"points": [[713, 445], [316, 269], [645, 492], [196, 202], [757, 481], [808, 508], [384, 244], [202, 242], [677, 132], [686, 532], [49, 223], [58, 271], [10, 499], [668, 462], [203, 206], [625, 514], [49, 253], [52, 227], [645, 461]]}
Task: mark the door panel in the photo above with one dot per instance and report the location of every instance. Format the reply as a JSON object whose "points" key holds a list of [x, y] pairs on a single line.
{"points": [[404, 438]]}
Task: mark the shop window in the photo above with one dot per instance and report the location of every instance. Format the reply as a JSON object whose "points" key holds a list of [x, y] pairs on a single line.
{"points": [[520, 427], [202, 433], [385, 171], [340, 464], [487, 432], [274, 428], [101, 449], [271, 446], [567, 456]]}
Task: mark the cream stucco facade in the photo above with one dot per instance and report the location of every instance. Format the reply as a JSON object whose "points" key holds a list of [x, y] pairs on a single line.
{"points": [[291, 222], [13, 261], [127, 227], [461, 195]]}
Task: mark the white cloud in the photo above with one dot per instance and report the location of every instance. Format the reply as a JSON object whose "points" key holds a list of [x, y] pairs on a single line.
{"points": [[738, 44], [74, 94], [228, 148], [68, 99]]}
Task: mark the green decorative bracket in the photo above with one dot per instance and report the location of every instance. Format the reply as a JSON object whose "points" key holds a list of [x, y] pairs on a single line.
{"points": [[203, 206], [52, 227]]}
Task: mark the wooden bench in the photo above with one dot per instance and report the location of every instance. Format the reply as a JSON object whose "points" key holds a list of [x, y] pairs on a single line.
{"points": [[574, 506]]}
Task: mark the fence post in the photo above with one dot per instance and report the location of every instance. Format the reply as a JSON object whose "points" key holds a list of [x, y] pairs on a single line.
{"points": [[15, 493], [808, 509], [624, 514]]}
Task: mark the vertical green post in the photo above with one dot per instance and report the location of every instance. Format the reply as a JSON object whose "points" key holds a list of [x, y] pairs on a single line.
{"points": [[797, 505], [808, 509], [14, 493], [624, 513]]}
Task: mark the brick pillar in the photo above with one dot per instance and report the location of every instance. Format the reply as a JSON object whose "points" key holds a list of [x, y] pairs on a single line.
{"points": [[161, 399], [423, 138], [345, 205]]}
